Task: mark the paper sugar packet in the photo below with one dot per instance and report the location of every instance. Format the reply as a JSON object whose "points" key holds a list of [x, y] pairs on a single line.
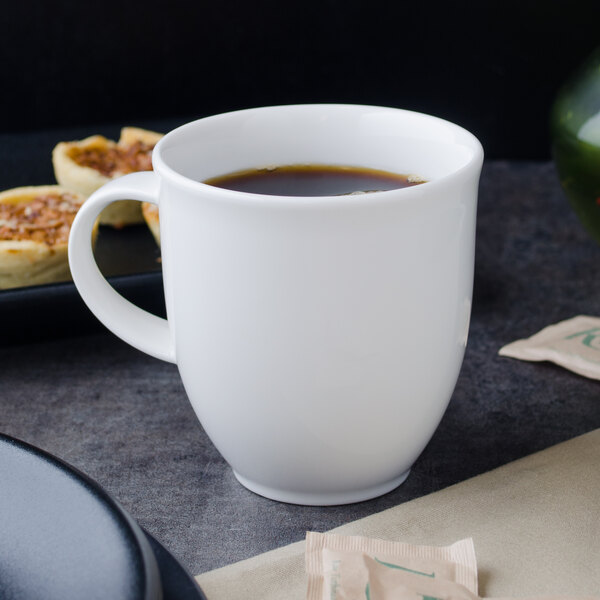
{"points": [[339, 567], [386, 582], [359, 568], [573, 344]]}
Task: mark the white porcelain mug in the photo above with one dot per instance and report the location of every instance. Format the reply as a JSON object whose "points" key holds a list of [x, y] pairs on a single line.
{"points": [[318, 339]]}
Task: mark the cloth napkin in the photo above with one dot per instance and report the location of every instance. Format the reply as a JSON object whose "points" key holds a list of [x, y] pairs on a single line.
{"points": [[535, 524]]}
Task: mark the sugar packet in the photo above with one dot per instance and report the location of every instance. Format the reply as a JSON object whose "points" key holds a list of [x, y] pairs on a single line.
{"points": [[393, 584], [388, 582], [573, 344], [338, 567], [359, 568]]}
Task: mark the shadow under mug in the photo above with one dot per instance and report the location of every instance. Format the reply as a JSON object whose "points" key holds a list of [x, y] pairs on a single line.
{"points": [[318, 339]]}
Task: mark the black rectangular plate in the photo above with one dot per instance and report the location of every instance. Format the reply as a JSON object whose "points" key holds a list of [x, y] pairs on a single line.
{"points": [[130, 260]]}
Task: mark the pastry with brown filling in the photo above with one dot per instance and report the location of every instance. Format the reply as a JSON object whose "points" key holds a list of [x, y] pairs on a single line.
{"points": [[88, 164], [150, 212], [34, 231]]}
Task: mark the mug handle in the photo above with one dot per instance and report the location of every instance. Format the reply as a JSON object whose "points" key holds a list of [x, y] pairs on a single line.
{"points": [[141, 329]]}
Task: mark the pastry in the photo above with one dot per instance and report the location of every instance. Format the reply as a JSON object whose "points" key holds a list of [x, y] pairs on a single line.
{"points": [[150, 213], [34, 231], [86, 165]]}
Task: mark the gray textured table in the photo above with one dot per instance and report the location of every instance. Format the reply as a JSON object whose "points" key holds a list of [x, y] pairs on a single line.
{"points": [[123, 417]]}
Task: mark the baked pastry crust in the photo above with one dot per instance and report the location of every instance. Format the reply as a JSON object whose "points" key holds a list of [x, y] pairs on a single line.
{"points": [[25, 260], [150, 213], [73, 173]]}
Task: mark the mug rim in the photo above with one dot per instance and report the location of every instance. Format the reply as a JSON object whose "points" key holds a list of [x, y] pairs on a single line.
{"points": [[471, 167]]}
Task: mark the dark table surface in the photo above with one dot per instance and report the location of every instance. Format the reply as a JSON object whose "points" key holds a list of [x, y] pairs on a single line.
{"points": [[124, 419]]}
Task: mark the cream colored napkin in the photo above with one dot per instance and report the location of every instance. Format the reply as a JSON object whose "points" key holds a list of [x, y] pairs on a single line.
{"points": [[535, 523]]}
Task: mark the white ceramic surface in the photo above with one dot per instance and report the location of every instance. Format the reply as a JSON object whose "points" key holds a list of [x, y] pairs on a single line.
{"points": [[318, 339]]}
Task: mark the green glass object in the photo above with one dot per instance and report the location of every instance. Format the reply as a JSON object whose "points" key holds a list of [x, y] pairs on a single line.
{"points": [[575, 130]]}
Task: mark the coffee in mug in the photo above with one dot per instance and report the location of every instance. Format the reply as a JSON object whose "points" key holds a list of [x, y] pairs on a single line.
{"points": [[313, 180]]}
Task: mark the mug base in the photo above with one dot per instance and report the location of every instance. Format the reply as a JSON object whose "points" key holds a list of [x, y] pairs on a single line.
{"points": [[326, 499]]}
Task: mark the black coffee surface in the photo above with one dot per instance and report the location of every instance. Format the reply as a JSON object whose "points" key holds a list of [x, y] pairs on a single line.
{"points": [[312, 180]]}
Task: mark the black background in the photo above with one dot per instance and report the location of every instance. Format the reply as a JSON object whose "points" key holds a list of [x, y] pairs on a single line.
{"points": [[492, 67]]}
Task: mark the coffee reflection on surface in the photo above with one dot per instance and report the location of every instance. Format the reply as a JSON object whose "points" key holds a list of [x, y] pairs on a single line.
{"points": [[313, 180]]}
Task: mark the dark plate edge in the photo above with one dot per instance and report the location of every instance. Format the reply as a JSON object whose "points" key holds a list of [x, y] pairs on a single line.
{"points": [[54, 311], [153, 587], [183, 586]]}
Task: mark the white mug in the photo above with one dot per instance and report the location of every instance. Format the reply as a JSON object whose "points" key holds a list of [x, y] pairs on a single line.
{"points": [[318, 339]]}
